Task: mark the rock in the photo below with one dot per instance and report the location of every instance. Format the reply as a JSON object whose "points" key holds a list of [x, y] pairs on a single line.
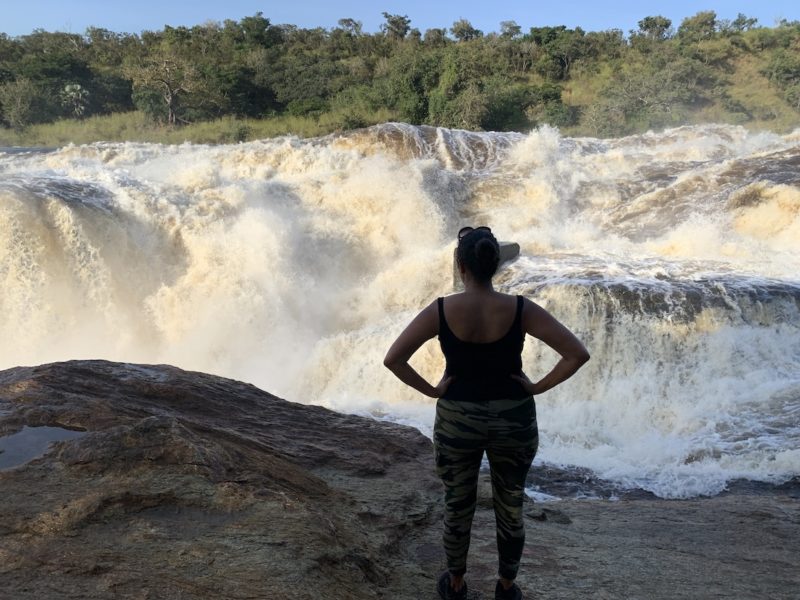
{"points": [[549, 514], [190, 486], [187, 485]]}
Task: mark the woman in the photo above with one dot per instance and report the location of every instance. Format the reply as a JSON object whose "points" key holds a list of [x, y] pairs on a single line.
{"points": [[485, 402]]}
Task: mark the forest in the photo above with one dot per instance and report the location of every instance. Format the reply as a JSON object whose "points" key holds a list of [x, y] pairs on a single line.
{"points": [[240, 76]]}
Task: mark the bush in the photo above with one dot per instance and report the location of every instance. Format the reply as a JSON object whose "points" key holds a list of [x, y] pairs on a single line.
{"points": [[20, 102], [306, 107]]}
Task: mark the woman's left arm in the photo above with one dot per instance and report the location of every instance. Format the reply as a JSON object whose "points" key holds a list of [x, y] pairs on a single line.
{"points": [[424, 326]]}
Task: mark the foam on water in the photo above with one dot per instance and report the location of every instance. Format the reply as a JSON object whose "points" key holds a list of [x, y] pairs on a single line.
{"points": [[293, 265]]}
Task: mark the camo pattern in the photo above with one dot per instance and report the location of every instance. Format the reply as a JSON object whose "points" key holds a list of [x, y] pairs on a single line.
{"points": [[506, 430]]}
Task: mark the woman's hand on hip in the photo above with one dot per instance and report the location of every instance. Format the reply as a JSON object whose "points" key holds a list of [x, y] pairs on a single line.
{"points": [[441, 388], [527, 384]]}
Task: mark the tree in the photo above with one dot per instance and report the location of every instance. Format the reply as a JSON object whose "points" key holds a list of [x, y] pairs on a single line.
{"points": [[75, 98], [518, 107], [655, 28], [18, 100], [510, 29], [411, 77], [645, 95], [471, 107], [435, 37], [543, 36], [463, 31], [561, 47], [257, 31], [351, 26], [170, 76], [743, 23], [793, 96], [784, 70], [52, 61], [105, 48], [10, 51], [567, 47], [701, 26], [604, 46], [522, 56], [396, 26]]}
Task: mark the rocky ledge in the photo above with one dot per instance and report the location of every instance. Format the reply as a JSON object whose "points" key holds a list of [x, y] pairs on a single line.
{"points": [[187, 485], [172, 484]]}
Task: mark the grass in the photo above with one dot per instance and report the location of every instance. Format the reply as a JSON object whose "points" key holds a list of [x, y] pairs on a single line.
{"points": [[764, 101], [136, 127]]}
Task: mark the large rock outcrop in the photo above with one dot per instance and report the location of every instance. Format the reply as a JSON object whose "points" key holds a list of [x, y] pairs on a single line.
{"points": [[180, 485], [187, 485]]}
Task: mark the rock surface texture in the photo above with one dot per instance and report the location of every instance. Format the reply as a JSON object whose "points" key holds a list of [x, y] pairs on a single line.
{"points": [[187, 485]]}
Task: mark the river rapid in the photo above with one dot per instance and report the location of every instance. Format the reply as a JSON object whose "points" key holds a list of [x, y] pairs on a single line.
{"points": [[293, 264]]}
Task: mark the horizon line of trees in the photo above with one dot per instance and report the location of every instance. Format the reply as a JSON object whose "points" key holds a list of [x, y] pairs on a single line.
{"points": [[458, 77]]}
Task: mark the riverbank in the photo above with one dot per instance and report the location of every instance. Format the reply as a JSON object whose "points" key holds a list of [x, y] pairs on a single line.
{"points": [[136, 127], [195, 486]]}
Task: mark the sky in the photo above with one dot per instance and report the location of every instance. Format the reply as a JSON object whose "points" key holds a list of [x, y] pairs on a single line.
{"points": [[20, 17]]}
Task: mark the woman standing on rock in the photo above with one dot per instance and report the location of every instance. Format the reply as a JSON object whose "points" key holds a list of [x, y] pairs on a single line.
{"points": [[485, 402]]}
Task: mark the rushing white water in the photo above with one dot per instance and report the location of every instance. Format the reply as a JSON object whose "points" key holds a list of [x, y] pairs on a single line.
{"points": [[293, 265]]}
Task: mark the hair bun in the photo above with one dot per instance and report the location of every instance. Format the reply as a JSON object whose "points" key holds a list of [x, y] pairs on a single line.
{"points": [[479, 252], [485, 249]]}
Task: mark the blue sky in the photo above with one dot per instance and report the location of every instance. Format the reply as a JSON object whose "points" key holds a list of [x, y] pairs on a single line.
{"points": [[22, 16]]}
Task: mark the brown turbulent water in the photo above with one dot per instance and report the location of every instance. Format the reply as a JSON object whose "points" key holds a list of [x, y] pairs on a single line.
{"points": [[293, 263]]}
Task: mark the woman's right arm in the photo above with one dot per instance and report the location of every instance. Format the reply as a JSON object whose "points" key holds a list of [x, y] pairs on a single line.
{"points": [[424, 326], [539, 323]]}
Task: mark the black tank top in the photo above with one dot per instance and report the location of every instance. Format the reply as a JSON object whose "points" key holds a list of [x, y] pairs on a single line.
{"points": [[483, 371]]}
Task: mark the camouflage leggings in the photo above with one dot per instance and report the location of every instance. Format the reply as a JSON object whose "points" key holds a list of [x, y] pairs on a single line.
{"points": [[507, 431]]}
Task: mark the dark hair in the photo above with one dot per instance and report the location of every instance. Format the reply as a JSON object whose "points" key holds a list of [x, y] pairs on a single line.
{"points": [[479, 252]]}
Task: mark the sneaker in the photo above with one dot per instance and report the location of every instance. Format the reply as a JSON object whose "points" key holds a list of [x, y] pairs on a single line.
{"points": [[447, 592], [512, 593]]}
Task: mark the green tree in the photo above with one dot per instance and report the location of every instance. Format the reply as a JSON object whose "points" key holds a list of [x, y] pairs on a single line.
{"points": [[470, 107], [604, 46], [396, 26], [435, 37], [75, 98], [655, 28], [412, 76], [646, 95], [567, 47], [19, 100], [784, 68], [702, 26], [743, 23], [52, 61], [522, 55], [510, 29], [561, 47], [543, 36], [257, 32], [784, 71], [793, 96], [168, 75], [351, 26], [463, 31], [518, 107]]}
